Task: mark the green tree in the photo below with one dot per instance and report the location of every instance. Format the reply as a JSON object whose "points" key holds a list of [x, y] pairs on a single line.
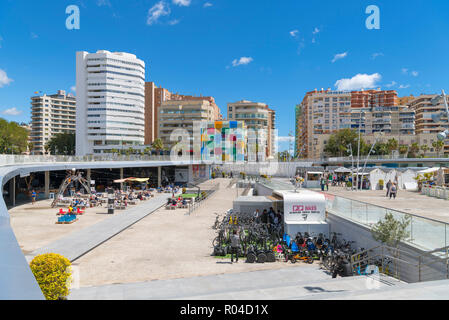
{"points": [[381, 149], [158, 144], [390, 231], [438, 145], [13, 138], [424, 149], [403, 148], [392, 145], [413, 150], [61, 144], [338, 143]]}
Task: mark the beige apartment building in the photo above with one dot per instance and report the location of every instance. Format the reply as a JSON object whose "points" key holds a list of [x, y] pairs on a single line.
{"points": [[426, 108], [259, 117], [320, 113], [180, 114], [51, 115], [154, 97]]}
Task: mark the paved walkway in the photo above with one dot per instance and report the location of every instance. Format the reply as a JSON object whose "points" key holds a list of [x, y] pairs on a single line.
{"points": [[78, 243], [291, 283], [406, 201]]}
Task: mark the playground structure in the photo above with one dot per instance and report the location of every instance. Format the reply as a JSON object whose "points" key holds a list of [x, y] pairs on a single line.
{"points": [[71, 178]]}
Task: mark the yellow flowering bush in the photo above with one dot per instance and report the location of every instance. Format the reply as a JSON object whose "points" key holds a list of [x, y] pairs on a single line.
{"points": [[53, 274]]}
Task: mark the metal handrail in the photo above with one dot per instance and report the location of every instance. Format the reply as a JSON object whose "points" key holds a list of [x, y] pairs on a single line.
{"points": [[419, 265]]}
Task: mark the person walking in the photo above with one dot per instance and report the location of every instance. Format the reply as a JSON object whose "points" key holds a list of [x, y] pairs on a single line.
{"points": [[327, 184], [33, 197], [235, 245], [322, 183], [393, 190], [388, 188]]}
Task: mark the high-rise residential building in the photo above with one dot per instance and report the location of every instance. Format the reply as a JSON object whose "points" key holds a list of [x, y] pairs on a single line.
{"points": [[323, 113], [393, 120], [260, 118], [50, 115], [110, 101], [154, 96], [374, 98], [428, 109], [320, 112], [181, 114]]}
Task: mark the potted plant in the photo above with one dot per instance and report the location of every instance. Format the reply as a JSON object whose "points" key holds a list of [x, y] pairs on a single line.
{"points": [[381, 184], [213, 175]]}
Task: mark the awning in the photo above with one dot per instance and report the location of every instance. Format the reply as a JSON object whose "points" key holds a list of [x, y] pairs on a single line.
{"points": [[131, 180]]}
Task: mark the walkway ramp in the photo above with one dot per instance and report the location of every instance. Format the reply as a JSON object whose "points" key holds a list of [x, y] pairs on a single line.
{"points": [[77, 244], [296, 282]]}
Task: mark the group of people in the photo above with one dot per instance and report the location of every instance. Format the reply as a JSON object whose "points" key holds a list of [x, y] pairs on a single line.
{"points": [[392, 189], [269, 217], [173, 201]]}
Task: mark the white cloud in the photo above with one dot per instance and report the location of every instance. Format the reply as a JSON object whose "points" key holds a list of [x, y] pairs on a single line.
{"points": [[182, 3], [377, 54], [359, 81], [173, 22], [241, 61], [392, 84], [286, 139], [207, 4], [404, 70], [12, 112], [73, 88], [158, 10], [340, 56], [415, 73], [315, 31], [294, 33], [404, 86], [102, 3], [4, 80]]}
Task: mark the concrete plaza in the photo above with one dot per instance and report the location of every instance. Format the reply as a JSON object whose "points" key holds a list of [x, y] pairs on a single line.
{"points": [[406, 201]]}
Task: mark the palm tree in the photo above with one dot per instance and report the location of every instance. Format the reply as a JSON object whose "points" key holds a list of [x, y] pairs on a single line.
{"points": [[403, 148], [438, 145], [158, 144], [424, 148], [392, 145], [414, 149]]}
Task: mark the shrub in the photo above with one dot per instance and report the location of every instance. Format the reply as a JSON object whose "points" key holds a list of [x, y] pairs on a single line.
{"points": [[381, 182], [184, 190], [52, 272], [213, 175]]}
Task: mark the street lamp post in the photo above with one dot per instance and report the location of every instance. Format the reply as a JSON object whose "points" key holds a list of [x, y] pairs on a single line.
{"points": [[362, 113], [352, 166], [445, 134], [369, 153]]}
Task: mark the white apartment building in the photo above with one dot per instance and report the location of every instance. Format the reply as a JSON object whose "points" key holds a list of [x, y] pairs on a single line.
{"points": [[51, 115], [110, 104]]}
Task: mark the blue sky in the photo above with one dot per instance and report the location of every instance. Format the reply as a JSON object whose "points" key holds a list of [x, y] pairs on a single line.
{"points": [[266, 51]]}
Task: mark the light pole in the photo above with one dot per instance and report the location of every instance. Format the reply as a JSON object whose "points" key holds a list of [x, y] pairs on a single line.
{"points": [[444, 134], [370, 151], [352, 165], [362, 113]]}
